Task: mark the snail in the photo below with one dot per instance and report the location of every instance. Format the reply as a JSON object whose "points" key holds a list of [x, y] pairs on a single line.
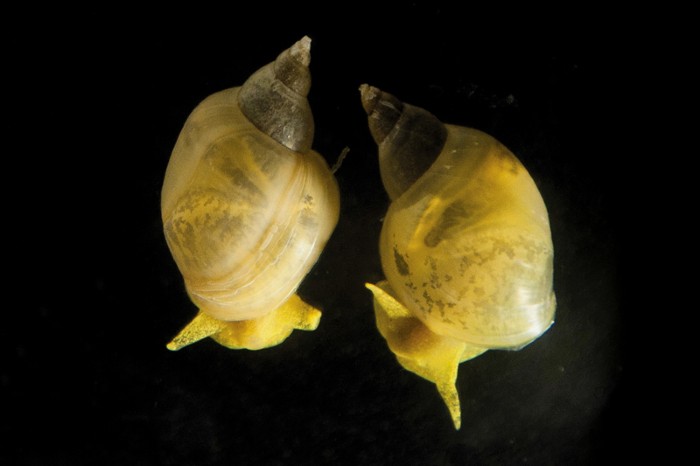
{"points": [[465, 246], [247, 207]]}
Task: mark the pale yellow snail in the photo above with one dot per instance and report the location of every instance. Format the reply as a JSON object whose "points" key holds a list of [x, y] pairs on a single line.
{"points": [[248, 207], [465, 246]]}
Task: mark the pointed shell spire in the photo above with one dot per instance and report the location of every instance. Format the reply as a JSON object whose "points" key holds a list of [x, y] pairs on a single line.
{"points": [[274, 98], [409, 138]]}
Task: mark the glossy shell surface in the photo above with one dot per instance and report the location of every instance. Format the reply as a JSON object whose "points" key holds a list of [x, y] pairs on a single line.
{"points": [[467, 248]]}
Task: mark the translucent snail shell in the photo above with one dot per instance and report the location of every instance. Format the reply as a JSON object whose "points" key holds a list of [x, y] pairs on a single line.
{"points": [[465, 246], [247, 207]]}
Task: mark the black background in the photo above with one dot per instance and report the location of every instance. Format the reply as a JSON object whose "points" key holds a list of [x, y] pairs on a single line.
{"points": [[86, 377]]}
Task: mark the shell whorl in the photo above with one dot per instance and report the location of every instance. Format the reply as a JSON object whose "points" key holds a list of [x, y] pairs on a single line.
{"points": [[274, 98], [409, 138]]}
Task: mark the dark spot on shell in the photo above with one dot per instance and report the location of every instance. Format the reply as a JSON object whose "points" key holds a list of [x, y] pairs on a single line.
{"points": [[452, 217], [242, 181], [401, 264]]}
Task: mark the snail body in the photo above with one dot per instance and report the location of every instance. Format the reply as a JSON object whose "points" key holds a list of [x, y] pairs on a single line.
{"points": [[247, 207], [465, 246]]}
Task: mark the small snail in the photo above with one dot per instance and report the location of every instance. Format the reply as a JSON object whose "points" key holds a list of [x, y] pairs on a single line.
{"points": [[465, 246], [247, 207]]}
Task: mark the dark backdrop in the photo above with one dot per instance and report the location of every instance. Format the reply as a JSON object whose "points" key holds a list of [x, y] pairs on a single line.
{"points": [[86, 377]]}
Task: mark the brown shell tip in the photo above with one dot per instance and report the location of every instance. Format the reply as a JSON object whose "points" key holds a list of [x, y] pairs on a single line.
{"points": [[383, 110], [292, 66], [370, 96], [410, 138], [274, 98], [301, 51]]}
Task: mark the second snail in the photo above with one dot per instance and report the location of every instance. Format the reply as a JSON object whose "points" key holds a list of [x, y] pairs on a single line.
{"points": [[247, 207], [465, 247]]}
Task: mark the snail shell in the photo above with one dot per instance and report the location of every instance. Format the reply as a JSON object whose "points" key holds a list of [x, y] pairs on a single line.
{"points": [[247, 207], [465, 246]]}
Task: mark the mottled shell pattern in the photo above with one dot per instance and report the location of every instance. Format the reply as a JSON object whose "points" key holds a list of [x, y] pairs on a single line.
{"points": [[465, 245], [247, 207]]}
